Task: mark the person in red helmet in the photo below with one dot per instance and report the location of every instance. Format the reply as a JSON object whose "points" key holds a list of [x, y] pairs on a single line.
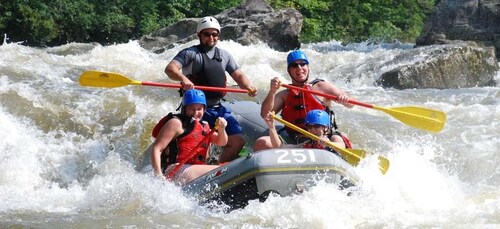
{"points": [[206, 65], [294, 105], [185, 137]]}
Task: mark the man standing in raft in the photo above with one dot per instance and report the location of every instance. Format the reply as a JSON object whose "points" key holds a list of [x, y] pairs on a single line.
{"points": [[206, 65]]}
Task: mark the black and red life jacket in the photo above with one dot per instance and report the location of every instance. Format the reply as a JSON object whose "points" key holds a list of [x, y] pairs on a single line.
{"points": [[194, 131]]}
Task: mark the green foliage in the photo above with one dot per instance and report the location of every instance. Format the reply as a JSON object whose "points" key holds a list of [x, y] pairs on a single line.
{"points": [[358, 20], [74, 19], [55, 22], [212, 7], [28, 20], [37, 18]]}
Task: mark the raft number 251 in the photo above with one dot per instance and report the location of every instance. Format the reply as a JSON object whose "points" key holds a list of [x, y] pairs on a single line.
{"points": [[295, 156]]}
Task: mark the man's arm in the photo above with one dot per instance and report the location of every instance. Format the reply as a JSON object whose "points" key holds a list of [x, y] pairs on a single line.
{"points": [[272, 102], [173, 71], [329, 88], [243, 82]]}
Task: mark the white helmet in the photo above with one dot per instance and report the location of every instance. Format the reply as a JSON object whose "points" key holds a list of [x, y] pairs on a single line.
{"points": [[208, 23]]}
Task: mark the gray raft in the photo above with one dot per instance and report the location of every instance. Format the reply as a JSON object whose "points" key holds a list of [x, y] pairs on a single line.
{"points": [[284, 171]]}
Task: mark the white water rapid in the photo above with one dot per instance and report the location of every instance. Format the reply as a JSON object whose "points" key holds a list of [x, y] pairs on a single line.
{"points": [[68, 153]]}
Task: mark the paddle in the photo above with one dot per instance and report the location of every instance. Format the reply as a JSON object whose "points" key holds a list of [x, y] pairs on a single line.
{"points": [[193, 153], [352, 156], [418, 117], [108, 79]]}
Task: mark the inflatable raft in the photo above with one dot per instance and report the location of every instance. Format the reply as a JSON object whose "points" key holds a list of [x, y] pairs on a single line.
{"points": [[283, 171]]}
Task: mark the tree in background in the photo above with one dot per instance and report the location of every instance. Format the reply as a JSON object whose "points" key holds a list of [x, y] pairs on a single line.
{"points": [[56, 22], [27, 20], [359, 20]]}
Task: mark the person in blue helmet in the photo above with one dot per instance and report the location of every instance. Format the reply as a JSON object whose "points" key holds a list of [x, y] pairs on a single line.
{"points": [[294, 105], [317, 122], [184, 137], [206, 65]]}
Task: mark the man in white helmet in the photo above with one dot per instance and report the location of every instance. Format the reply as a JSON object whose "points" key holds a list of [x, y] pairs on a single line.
{"points": [[206, 65]]}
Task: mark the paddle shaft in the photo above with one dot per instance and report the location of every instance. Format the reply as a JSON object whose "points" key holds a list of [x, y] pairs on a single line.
{"points": [[327, 95], [352, 156], [418, 117], [203, 88], [95, 78], [314, 137]]}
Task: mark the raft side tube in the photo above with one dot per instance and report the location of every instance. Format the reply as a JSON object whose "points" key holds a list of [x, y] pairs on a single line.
{"points": [[282, 171]]}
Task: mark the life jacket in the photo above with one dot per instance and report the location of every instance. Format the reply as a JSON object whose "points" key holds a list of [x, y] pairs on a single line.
{"points": [[298, 103], [347, 142], [296, 106], [311, 144], [211, 74], [182, 146]]}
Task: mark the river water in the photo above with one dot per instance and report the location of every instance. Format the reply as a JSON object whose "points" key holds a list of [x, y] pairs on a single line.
{"points": [[68, 153]]}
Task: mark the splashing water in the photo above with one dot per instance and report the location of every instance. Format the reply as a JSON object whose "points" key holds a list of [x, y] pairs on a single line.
{"points": [[68, 153]]}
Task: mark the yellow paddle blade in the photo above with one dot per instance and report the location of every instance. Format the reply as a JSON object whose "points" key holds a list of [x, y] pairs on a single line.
{"points": [[105, 79], [421, 118], [383, 164], [418, 117], [352, 156]]}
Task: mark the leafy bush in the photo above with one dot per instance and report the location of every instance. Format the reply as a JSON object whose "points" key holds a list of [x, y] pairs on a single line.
{"points": [[359, 20], [56, 22]]}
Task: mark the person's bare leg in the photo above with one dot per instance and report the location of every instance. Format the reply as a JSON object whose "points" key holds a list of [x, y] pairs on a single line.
{"points": [[262, 143], [196, 171], [234, 145]]}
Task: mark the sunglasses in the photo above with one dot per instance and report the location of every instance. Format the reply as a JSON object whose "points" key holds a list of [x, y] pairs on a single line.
{"points": [[207, 34], [296, 65]]}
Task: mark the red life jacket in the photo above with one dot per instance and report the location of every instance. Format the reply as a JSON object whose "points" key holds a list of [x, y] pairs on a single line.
{"points": [[312, 145], [182, 146], [186, 143], [315, 144], [347, 142], [296, 106]]}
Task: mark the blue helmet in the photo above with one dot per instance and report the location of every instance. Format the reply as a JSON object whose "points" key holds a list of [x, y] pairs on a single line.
{"points": [[194, 96], [318, 117], [296, 55]]}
